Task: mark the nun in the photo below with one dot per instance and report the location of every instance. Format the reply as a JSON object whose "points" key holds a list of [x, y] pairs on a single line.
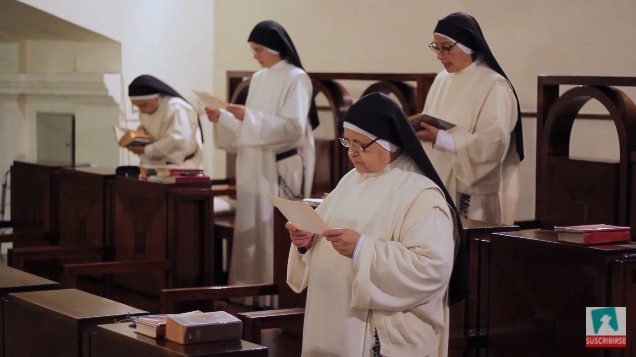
{"points": [[273, 139], [378, 279], [479, 159], [170, 120]]}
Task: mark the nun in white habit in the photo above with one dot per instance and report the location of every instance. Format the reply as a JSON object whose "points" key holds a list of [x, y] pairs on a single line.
{"points": [[479, 159], [380, 280], [170, 120], [272, 136]]}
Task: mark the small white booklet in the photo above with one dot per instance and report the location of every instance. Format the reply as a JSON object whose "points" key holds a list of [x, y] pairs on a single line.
{"points": [[209, 100], [300, 214]]}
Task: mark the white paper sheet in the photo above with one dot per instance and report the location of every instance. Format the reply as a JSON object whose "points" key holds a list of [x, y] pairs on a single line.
{"points": [[300, 214], [209, 100]]}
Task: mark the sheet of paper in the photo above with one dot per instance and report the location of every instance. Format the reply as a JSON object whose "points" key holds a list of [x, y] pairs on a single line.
{"points": [[300, 214], [210, 101]]}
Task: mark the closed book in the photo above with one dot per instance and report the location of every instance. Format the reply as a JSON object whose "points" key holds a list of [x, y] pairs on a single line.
{"points": [[151, 325], [430, 120], [593, 234], [183, 179], [204, 327]]}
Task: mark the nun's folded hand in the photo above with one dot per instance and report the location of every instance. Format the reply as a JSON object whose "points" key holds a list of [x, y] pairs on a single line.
{"points": [[300, 238], [343, 240], [213, 114], [428, 132], [238, 110]]}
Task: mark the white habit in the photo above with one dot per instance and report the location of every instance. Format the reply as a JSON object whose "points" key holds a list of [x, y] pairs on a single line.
{"points": [[174, 126], [485, 164], [275, 121], [398, 281]]}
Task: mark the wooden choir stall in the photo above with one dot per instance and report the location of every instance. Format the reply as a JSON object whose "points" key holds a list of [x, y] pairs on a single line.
{"points": [[130, 236], [539, 286]]}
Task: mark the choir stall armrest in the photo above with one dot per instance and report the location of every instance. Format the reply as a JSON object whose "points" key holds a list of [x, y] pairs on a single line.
{"points": [[72, 271], [19, 256], [255, 321], [29, 238], [224, 187], [169, 297]]}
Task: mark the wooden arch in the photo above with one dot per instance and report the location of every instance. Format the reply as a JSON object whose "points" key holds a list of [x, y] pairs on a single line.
{"points": [[404, 92], [577, 191], [331, 159]]}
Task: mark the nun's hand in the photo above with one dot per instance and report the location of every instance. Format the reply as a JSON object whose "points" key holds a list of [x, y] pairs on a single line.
{"points": [[427, 133], [343, 240], [136, 149], [213, 114], [300, 238], [238, 111]]}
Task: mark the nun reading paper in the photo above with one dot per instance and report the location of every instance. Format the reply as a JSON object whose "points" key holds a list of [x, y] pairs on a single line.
{"points": [[300, 214]]}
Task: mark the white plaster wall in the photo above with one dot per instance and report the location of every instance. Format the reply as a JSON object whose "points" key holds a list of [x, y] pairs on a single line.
{"points": [[170, 39], [72, 57], [9, 57]]}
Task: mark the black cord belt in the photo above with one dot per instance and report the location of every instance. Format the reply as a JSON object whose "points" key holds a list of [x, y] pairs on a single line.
{"points": [[285, 154]]}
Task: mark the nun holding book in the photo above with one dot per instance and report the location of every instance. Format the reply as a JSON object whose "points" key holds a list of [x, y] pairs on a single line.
{"points": [[479, 159], [170, 120]]}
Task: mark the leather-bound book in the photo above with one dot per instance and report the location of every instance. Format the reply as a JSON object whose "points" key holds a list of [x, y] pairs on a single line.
{"points": [[203, 327], [593, 234]]}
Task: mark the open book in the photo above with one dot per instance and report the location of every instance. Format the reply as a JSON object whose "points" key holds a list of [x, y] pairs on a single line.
{"points": [[430, 120], [210, 101], [127, 137]]}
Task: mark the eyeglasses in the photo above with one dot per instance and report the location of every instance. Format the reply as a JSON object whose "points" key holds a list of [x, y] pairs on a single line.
{"points": [[356, 145], [443, 49]]}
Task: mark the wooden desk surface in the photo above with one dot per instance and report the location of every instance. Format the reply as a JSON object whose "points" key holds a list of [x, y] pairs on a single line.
{"points": [[475, 225], [14, 280], [550, 237], [58, 319], [120, 340], [74, 304], [91, 170]]}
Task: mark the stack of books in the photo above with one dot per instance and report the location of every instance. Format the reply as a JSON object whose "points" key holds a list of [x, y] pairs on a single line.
{"points": [[178, 175], [593, 234], [151, 325]]}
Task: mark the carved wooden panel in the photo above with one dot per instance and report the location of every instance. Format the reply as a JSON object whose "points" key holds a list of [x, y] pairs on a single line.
{"points": [[82, 209], [580, 192], [35, 195], [138, 228], [623, 292], [159, 221], [190, 236]]}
